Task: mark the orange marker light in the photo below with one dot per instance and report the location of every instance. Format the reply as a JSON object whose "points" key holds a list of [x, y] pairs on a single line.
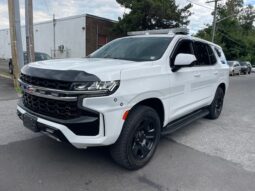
{"points": [[124, 117]]}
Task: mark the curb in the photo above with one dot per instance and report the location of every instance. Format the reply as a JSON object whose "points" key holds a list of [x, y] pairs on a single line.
{"points": [[5, 76]]}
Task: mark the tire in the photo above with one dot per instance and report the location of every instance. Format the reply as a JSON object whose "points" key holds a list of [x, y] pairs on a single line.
{"points": [[138, 140], [216, 107]]}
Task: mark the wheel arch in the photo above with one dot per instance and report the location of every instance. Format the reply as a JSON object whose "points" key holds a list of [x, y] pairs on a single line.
{"points": [[223, 86], [154, 103]]}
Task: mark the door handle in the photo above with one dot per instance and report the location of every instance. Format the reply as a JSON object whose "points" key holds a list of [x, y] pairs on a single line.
{"points": [[197, 75], [216, 73]]}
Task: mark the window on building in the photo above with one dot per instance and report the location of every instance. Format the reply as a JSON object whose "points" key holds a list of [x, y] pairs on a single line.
{"points": [[102, 40]]}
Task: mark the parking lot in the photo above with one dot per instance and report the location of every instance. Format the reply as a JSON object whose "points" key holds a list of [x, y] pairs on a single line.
{"points": [[207, 155]]}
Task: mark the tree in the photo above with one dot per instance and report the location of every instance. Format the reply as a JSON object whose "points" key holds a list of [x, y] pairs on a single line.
{"points": [[151, 14], [248, 17], [235, 31]]}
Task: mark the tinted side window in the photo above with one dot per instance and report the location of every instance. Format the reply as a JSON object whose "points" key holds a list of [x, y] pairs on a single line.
{"points": [[218, 52], [185, 47], [212, 57], [201, 54]]}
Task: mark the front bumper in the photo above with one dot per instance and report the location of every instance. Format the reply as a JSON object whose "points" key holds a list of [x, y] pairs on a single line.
{"points": [[244, 70], [72, 131]]}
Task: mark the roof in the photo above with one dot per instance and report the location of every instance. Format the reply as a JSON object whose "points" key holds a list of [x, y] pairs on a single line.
{"points": [[69, 18], [175, 35]]}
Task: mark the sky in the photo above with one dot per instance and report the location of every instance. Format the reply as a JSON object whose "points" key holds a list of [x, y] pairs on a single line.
{"points": [[44, 9]]}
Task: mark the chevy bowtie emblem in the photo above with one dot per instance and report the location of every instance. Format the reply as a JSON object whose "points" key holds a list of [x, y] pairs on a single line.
{"points": [[29, 89]]}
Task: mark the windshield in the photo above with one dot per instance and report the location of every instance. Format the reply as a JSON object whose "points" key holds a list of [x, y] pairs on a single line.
{"points": [[134, 48], [230, 63], [41, 56]]}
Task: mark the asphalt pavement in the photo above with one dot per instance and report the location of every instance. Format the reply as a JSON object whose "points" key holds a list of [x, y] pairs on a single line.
{"points": [[7, 91], [207, 155]]}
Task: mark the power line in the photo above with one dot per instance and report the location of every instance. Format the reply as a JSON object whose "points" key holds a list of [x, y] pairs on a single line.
{"points": [[199, 5], [241, 46], [214, 16], [231, 39]]}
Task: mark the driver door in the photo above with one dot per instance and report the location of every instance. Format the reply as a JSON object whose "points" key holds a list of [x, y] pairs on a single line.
{"points": [[181, 97]]}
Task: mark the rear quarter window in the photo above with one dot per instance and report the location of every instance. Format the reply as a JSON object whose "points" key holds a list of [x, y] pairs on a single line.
{"points": [[220, 55]]}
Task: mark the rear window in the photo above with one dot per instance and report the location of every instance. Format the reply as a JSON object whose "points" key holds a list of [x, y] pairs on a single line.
{"points": [[230, 63]]}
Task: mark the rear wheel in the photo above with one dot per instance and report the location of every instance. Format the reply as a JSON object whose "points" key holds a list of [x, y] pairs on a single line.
{"points": [[139, 138], [216, 107]]}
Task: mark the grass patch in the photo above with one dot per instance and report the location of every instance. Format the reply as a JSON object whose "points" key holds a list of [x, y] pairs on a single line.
{"points": [[18, 90]]}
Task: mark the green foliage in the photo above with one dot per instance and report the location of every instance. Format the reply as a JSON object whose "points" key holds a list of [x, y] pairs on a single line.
{"points": [[151, 14], [236, 32]]}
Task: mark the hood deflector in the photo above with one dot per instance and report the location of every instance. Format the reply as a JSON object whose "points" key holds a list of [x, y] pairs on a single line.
{"points": [[60, 75]]}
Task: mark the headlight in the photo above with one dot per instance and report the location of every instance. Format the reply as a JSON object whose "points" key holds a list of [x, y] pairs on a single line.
{"points": [[98, 88]]}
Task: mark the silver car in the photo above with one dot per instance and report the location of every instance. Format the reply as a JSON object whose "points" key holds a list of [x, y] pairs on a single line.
{"points": [[234, 68]]}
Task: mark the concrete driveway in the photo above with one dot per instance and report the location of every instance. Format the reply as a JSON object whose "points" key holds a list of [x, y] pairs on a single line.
{"points": [[206, 155], [4, 66]]}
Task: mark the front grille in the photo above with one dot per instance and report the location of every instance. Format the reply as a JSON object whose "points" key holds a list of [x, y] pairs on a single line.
{"points": [[53, 84], [52, 108]]}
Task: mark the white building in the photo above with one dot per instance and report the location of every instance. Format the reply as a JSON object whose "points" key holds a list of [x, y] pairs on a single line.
{"points": [[75, 36]]}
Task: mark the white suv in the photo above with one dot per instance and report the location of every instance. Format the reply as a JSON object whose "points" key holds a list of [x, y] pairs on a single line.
{"points": [[126, 94]]}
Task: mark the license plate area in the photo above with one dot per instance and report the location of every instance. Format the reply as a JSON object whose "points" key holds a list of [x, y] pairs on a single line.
{"points": [[30, 122]]}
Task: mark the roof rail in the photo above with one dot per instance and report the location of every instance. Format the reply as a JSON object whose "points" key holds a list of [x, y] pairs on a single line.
{"points": [[171, 31]]}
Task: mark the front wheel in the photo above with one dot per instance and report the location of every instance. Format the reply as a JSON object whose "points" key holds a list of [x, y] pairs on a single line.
{"points": [[216, 107], [139, 138]]}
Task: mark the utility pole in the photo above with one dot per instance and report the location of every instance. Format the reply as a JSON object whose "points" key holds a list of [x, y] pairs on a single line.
{"points": [[214, 17], [29, 31], [54, 36], [16, 41]]}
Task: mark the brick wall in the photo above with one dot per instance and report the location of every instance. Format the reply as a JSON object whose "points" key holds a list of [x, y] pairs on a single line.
{"points": [[97, 30]]}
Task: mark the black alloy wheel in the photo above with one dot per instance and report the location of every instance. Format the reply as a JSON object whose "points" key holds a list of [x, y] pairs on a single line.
{"points": [[144, 139], [139, 138], [216, 107]]}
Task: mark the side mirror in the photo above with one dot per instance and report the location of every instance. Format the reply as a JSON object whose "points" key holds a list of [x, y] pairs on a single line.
{"points": [[184, 60]]}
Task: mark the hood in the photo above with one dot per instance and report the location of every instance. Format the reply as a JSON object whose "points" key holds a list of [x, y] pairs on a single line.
{"points": [[81, 69]]}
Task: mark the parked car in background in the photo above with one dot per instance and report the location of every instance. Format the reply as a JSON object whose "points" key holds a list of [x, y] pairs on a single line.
{"points": [[234, 68], [246, 67], [39, 56]]}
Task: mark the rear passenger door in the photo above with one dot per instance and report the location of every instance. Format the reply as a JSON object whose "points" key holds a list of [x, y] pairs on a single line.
{"points": [[206, 75]]}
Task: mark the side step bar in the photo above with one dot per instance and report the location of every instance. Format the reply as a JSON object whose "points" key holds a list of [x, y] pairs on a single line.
{"points": [[184, 121]]}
